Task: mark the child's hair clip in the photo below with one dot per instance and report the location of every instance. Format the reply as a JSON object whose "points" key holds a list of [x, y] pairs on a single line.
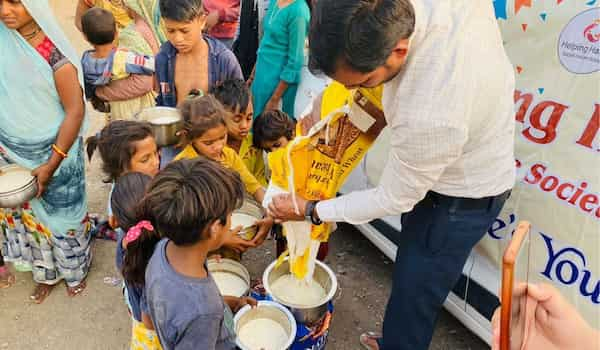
{"points": [[135, 232]]}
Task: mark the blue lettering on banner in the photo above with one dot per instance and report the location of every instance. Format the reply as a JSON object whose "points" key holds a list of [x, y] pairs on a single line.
{"points": [[567, 271], [499, 225], [566, 266]]}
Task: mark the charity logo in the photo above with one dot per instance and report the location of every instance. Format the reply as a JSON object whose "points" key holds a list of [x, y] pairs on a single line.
{"points": [[592, 32], [579, 43]]}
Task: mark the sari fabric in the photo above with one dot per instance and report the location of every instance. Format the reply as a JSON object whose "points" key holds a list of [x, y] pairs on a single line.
{"points": [[150, 12], [51, 230]]}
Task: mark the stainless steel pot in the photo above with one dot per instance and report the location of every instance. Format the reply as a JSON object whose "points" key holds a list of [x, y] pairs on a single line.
{"points": [[233, 267], [304, 314], [165, 121], [19, 196], [269, 310]]}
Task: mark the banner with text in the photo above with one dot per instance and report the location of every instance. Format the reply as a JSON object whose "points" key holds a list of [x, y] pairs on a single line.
{"points": [[554, 46]]}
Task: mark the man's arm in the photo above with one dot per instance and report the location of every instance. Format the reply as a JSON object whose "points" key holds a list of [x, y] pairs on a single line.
{"points": [[427, 109], [417, 159]]}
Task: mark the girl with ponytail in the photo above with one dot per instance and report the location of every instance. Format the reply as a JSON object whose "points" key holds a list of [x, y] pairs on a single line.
{"points": [[134, 250]]}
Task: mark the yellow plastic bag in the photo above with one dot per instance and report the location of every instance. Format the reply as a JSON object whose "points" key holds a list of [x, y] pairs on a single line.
{"points": [[322, 160]]}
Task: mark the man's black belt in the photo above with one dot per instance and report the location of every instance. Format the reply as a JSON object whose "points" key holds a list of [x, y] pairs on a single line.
{"points": [[461, 203]]}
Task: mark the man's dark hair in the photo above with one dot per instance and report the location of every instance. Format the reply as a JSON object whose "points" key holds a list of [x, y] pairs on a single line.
{"points": [[181, 10], [233, 94], [363, 33], [99, 26], [188, 196]]}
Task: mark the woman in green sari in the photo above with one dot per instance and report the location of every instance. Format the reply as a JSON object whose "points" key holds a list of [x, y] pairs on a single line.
{"points": [[41, 123]]}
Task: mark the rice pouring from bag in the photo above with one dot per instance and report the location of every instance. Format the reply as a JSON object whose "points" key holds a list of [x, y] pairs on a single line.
{"points": [[315, 166], [298, 292]]}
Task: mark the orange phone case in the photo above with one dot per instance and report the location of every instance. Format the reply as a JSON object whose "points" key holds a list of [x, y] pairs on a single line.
{"points": [[508, 271]]}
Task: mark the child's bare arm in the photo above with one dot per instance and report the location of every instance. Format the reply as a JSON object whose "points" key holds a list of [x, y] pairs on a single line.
{"points": [[147, 321], [259, 195], [231, 301], [235, 303], [134, 86]]}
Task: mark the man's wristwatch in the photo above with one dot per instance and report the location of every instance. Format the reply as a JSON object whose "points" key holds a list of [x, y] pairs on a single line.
{"points": [[310, 213]]}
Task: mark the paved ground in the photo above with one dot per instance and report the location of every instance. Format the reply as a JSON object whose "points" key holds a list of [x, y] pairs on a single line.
{"points": [[98, 319]]}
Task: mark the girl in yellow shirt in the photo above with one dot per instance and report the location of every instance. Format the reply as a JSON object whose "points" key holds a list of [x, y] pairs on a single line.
{"points": [[205, 134]]}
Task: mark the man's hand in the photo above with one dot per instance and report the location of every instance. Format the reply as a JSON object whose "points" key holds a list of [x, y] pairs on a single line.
{"points": [[282, 208]]}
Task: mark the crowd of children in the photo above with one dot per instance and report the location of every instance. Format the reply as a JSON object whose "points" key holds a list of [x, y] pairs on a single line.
{"points": [[171, 208], [130, 160], [184, 210]]}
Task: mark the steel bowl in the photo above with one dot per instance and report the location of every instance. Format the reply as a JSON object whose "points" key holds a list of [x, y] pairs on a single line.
{"points": [[233, 267], [304, 314], [165, 121], [270, 310], [19, 196], [251, 208]]}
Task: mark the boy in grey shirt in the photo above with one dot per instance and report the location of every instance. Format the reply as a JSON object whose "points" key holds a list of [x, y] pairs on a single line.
{"points": [[190, 203]]}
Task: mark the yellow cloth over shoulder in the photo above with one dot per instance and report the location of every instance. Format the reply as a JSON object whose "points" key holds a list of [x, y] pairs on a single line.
{"points": [[315, 166], [230, 160]]}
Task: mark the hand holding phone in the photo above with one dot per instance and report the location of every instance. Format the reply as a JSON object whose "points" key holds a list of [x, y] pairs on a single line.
{"points": [[515, 267], [551, 323]]}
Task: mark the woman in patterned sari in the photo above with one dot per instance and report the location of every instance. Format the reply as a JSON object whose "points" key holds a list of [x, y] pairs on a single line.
{"points": [[41, 123]]}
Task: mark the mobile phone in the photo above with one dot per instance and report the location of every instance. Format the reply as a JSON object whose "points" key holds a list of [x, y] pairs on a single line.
{"points": [[515, 276]]}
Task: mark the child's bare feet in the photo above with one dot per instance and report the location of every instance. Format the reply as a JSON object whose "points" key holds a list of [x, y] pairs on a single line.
{"points": [[41, 292], [7, 279], [78, 289]]}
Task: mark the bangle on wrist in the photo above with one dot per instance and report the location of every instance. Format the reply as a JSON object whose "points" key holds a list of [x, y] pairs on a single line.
{"points": [[59, 151]]}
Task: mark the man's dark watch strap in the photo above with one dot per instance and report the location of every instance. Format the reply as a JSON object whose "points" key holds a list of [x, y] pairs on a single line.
{"points": [[310, 213]]}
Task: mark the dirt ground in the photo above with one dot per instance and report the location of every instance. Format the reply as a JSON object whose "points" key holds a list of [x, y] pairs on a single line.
{"points": [[98, 319]]}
